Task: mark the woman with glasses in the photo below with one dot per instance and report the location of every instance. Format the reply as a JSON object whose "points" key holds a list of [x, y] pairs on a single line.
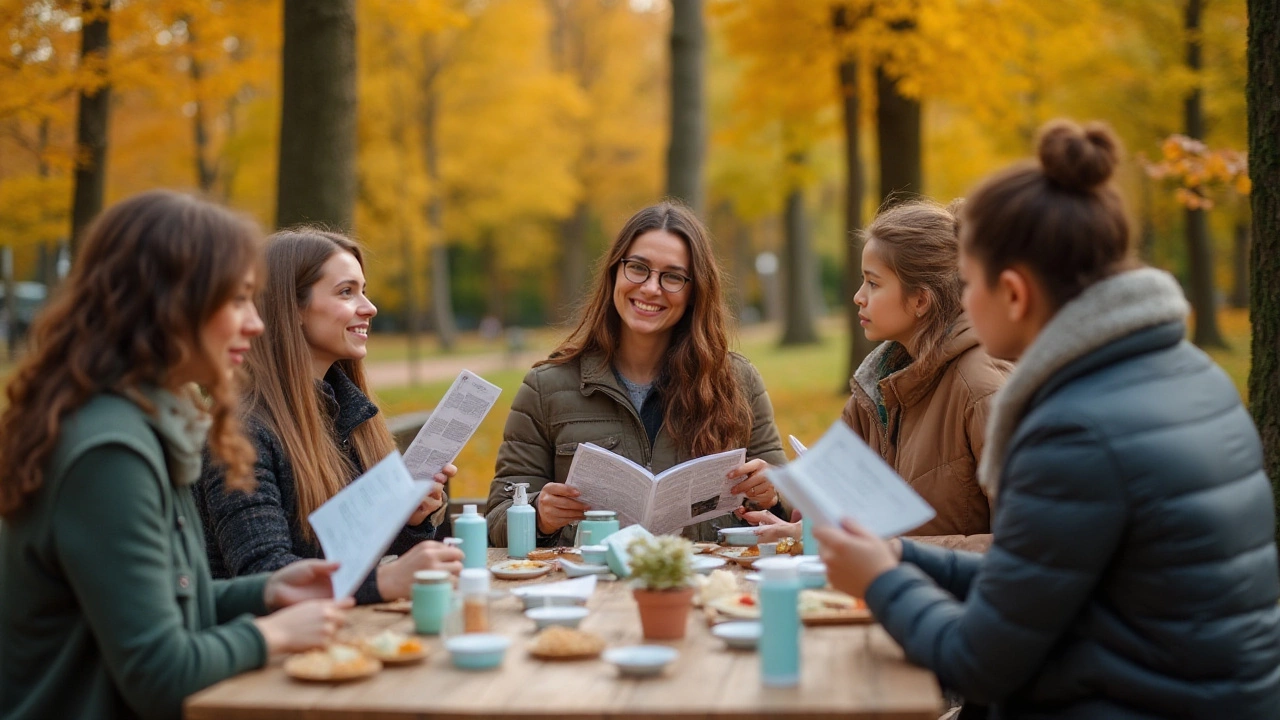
{"points": [[646, 374]]}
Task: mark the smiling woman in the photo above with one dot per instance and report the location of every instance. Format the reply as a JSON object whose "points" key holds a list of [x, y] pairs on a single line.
{"points": [[315, 427]]}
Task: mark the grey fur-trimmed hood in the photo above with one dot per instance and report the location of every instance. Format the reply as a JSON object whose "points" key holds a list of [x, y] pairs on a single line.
{"points": [[1105, 312]]}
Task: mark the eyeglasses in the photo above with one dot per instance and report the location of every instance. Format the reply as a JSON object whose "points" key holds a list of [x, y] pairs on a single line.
{"points": [[638, 273]]}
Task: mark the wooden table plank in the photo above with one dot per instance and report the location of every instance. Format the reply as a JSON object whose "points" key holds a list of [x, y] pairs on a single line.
{"points": [[853, 671]]}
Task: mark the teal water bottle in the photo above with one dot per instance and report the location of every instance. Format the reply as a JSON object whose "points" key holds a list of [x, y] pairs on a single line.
{"points": [[520, 523], [779, 623], [806, 537], [432, 598], [471, 528]]}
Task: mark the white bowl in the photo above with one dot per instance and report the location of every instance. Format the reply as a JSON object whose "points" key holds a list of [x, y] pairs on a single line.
{"points": [[704, 564], [548, 616], [535, 601], [477, 651], [740, 536], [641, 660], [739, 635]]}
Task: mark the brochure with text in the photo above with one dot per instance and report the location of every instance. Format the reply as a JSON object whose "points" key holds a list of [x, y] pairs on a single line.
{"points": [[690, 492], [841, 477], [451, 424]]}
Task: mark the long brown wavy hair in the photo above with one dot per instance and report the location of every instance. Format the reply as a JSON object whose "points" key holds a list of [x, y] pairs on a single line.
{"points": [[282, 391], [706, 408], [152, 270]]}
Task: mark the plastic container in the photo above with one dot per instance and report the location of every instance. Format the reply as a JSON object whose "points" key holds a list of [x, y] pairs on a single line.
{"points": [[473, 592], [472, 529], [806, 537], [780, 624], [600, 523], [432, 598], [482, 651], [521, 522]]}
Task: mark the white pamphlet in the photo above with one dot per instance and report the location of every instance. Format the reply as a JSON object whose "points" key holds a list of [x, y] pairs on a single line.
{"points": [[797, 446], [451, 424], [358, 524], [690, 492], [841, 477]]}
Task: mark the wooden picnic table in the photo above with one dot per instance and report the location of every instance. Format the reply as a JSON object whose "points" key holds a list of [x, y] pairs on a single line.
{"points": [[847, 671]]}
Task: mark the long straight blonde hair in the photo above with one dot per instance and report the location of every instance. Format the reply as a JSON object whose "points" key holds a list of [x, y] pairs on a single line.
{"points": [[282, 394]]}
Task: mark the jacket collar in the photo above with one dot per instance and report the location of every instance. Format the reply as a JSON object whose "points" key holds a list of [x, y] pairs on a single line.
{"points": [[594, 370], [1075, 341], [344, 402], [911, 384]]}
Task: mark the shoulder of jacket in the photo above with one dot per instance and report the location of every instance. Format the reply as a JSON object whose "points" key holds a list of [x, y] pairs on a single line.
{"points": [[746, 373], [104, 420], [978, 373], [554, 376]]}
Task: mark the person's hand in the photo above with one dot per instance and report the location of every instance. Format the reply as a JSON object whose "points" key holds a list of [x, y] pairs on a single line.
{"points": [[753, 484], [395, 579], [306, 625], [854, 557], [429, 504], [558, 506], [769, 527], [299, 581]]}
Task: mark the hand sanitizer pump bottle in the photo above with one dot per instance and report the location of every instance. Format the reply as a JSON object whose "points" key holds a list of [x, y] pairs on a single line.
{"points": [[780, 623], [471, 528], [520, 523]]}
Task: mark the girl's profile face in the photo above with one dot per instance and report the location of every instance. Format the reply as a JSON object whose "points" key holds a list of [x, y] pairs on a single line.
{"points": [[884, 310], [226, 336], [335, 321], [648, 308]]}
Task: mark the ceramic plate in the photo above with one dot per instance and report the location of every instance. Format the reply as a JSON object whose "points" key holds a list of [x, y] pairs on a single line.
{"points": [[739, 634], [520, 569], [703, 564], [323, 666], [641, 660], [740, 555]]}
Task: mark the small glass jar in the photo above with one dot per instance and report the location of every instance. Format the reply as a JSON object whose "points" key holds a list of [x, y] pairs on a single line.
{"points": [[432, 597], [600, 523], [473, 590]]}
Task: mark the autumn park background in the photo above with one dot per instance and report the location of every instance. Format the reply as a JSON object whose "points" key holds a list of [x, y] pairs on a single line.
{"points": [[486, 151]]}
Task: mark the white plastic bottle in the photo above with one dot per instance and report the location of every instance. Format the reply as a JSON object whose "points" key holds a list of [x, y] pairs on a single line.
{"points": [[521, 520]]}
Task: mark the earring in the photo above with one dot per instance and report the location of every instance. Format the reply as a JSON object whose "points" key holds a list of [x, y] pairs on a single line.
{"points": [[919, 314]]}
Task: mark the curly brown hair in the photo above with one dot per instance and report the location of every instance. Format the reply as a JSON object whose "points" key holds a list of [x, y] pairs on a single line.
{"points": [[706, 408], [151, 271]]}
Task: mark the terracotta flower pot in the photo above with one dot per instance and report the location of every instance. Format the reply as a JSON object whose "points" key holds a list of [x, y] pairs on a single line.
{"points": [[664, 613]]}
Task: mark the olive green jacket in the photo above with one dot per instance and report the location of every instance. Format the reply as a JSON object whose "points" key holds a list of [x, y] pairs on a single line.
{"points": [[559, 406], [107, 608]]}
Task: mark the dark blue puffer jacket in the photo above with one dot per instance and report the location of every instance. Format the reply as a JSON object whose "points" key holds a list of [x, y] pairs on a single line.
{"points": [[1133, 572]]}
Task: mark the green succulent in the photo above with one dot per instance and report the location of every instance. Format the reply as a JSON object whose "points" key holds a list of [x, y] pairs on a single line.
{"points": [[664, 562]]}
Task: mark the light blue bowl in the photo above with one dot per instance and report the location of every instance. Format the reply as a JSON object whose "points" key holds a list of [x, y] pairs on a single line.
{"points": [[477, 651], [813, 575], [594, 554]]}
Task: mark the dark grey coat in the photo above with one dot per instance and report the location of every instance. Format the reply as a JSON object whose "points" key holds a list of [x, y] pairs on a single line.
{"points": [[1134, 571], [259, 531]]}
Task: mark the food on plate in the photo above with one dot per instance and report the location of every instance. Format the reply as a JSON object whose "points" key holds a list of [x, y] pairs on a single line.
{"points": [[564, 643], [753, 551], [790, 546], [738, 605], [555, 553], [702, 548], [391, 646], [520, 565], [816, 602], [718, 583], [335, 662]]}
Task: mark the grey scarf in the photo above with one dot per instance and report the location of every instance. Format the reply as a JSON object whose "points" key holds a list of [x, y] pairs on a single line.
{"points": [[183, 426]]}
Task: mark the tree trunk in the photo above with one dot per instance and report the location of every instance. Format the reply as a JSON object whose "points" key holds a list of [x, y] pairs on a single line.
{"points": [[799, 321], [410, 274], [495, 297], [91, 121], [859, 345], [573, 262], [1263, 92], [206, 171], [441, 289], [1240, 266], [1199, 248], [10, 301], [317, 175], [688, 125], [898, 140]]}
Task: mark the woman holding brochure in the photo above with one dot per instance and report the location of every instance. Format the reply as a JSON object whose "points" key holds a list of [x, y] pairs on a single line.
{"points": [[921, 398], [108, 609], [1133, 571], [646, 374], [313, 424]]}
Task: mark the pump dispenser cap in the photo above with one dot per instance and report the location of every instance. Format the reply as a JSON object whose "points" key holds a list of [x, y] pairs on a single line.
{"points": [[469, 510], [473, 581], [521, 496]]}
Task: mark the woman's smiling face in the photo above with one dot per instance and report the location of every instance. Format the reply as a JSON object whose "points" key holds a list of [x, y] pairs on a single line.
{"points": [[336, 318], [645, 308]]}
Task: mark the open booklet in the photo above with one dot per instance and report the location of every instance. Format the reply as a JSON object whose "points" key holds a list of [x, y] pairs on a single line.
{"points": [[841, 477], [356, 526], [451, 424], [690, 492]]}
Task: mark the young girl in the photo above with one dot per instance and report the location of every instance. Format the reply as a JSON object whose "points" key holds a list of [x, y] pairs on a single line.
{"points": [[647, 374], [921, 398], [1134, 568], [314, 427], [107, 608]]}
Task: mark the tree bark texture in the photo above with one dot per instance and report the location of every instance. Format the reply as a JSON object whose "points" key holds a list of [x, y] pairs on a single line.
{"points": [[687, 147], [317, 176], [441, 288], [859, 345], [1240, 266], [206, 170], [799, 322], [1199, 249], [92, 120], [1263, 93], [898, 140], [573, 262]]}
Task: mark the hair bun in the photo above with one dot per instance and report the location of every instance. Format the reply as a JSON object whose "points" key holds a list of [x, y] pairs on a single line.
{"points": [[1078, 158]]}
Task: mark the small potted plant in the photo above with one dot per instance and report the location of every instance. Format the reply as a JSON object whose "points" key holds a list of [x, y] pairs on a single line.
{"points": [[662, 571]]}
